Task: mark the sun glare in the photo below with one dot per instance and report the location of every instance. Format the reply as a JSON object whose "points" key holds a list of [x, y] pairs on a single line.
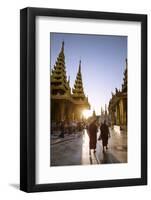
{"points": [[87, 113]]}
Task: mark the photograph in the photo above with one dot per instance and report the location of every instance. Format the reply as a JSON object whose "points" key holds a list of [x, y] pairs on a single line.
{"points": [[88, 99], [83, 99]]}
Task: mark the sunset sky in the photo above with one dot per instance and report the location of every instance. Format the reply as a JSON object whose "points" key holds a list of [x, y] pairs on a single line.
{"points": [[102, 63]]}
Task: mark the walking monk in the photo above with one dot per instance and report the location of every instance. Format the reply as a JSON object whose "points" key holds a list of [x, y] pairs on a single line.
{"points": [[105, 134], [93, 135]]}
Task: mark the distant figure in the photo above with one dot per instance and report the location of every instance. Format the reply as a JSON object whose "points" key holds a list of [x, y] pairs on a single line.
{"points": [[93, 135], [62, 128], [105, 134]]}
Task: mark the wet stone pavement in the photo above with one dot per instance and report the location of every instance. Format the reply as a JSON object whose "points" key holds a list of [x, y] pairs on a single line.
{"points": [[73, 149]]}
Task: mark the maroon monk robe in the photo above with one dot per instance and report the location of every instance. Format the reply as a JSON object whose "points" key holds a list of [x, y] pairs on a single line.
{"points": [[92, 135]]}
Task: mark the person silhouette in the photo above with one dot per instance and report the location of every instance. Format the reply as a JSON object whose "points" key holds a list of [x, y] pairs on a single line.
{"points": [[105, 134], [93, 135]]}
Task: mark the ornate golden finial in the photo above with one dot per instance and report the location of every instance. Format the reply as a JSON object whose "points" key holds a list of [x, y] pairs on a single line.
{"points": [[80, 66], [62, 48]]}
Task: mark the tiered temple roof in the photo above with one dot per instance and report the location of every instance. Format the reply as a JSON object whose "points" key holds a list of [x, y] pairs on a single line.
{"points": [[78, 92], [59, 83]]}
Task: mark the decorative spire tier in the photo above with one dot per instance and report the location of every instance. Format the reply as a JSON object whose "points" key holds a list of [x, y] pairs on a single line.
{"points": [[78, 92], [59, 83]]}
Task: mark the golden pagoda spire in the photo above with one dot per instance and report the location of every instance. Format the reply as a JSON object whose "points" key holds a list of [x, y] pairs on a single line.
{"points": [[78, 86], [59, 83]]}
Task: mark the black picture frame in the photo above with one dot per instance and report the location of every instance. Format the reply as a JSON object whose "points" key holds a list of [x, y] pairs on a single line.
{"points": [[28, 99]]}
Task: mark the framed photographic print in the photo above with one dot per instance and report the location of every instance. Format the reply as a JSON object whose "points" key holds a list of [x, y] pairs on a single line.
{"points": [[83, 99]]}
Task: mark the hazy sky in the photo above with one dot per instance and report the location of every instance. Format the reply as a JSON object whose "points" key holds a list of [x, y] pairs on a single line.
{"points": [[102, 63]]}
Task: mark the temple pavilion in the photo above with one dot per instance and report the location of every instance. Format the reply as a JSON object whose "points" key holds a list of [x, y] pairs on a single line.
{"points": [[118, 104], [66, 104]]}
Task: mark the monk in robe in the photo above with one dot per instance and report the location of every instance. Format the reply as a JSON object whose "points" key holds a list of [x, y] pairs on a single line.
{"points": [[92, 135], [105, 134]]}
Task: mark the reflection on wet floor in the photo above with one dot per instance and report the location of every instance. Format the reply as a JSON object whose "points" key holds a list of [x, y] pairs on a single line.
{"points": [[76, 151]]}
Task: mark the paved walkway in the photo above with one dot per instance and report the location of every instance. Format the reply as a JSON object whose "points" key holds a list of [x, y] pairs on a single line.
{"points": [[74, 150]]}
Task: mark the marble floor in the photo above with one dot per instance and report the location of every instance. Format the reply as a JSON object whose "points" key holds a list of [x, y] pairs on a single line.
{"points": [[74, 150]]}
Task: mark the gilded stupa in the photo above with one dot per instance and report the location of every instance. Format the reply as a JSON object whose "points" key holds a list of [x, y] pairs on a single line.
{"points": [[66, 105]]}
